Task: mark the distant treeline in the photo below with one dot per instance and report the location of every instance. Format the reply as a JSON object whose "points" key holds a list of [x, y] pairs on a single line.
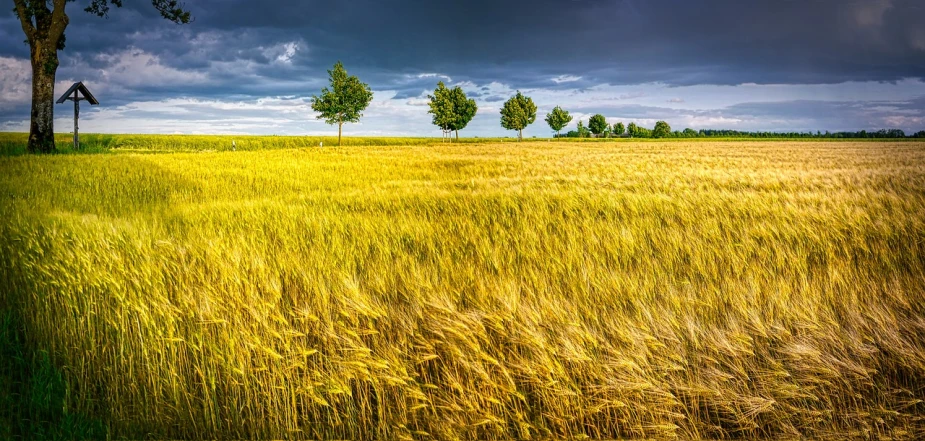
{"points": [[641, 132], [883, 133]]}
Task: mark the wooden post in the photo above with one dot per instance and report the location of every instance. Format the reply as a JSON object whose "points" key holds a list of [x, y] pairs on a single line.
{"points": [[76, 113], [77, 93]]}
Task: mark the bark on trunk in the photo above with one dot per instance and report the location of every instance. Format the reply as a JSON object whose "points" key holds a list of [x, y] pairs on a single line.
{"points": [[520, 135], [457, 136], [340, 127], [41, 127]]}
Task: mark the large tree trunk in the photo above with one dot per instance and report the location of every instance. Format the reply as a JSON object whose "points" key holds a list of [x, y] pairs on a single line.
{"points": [[42, 125], [520, 135], [340, 127], [457, 136]]}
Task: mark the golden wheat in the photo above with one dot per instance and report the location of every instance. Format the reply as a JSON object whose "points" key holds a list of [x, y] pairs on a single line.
{"points": [[478, 291]]}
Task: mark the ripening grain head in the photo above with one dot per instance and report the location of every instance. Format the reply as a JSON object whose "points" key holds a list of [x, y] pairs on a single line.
{"points": [[692, 290]]}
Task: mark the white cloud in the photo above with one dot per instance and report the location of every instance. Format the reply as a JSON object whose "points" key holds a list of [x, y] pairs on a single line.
{"points": [[565, 79], [917, 39], [869, 13], [134, 67], [854, 105], [445, 78], [905, 121], [270, 115], [282, 52], [710, 122], [418, 101], [15, 82]]}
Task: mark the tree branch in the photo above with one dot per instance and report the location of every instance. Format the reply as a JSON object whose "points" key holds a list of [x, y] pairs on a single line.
{"points": [[59, 21], [172, 10], [25, 19]]}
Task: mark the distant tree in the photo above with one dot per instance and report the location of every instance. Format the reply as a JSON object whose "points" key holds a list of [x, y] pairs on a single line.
{"points": [[597, 124], [689, 133], [464, 110], [441, 107], [638, 131], [344, 102], [662, 130], [618, 129], [451, 108], [583, 131], [518, 113], [44, 29], [558, 119], [919, 134]]}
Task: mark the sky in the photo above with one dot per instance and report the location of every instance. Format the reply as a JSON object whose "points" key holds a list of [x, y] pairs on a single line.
{"points": [[251, 67]]}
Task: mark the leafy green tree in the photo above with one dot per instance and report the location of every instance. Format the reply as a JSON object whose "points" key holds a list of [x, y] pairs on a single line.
{"points": [[558, 119], [662, 130], [451, 109], [689, 133], [44, 29], [344, 102], [464, 109], [441, 107], [518, 113], [597, 124], [583, 131], [618, 129], [638, 132]]}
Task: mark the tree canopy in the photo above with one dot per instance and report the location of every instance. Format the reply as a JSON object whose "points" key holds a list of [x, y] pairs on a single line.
{"points": [[662, 130], [345, 101], [558, 119], [170, 9], [44, 29], [465, 109], [518, 113], [581, 130], [441, 107], [597, 124], [618, 129], [451, 108]]}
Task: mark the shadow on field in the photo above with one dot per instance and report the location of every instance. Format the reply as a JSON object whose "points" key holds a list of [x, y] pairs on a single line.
{"points": [[111, 185], [33, 392], [15, 144], [37, 195]]}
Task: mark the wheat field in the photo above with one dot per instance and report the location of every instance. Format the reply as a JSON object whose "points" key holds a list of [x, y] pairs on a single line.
{"points": [[486, 290]]}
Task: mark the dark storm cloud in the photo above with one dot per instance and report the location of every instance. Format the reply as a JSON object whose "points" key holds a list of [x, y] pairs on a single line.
{"points": [[528, 42], [241, 50], [617, 41]]}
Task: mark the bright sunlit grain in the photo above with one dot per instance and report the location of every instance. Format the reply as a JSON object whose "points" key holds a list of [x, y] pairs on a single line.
{"points": [[493, 290]]}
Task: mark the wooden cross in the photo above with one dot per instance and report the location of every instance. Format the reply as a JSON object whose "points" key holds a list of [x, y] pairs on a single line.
{"points": [[74, 94]]}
